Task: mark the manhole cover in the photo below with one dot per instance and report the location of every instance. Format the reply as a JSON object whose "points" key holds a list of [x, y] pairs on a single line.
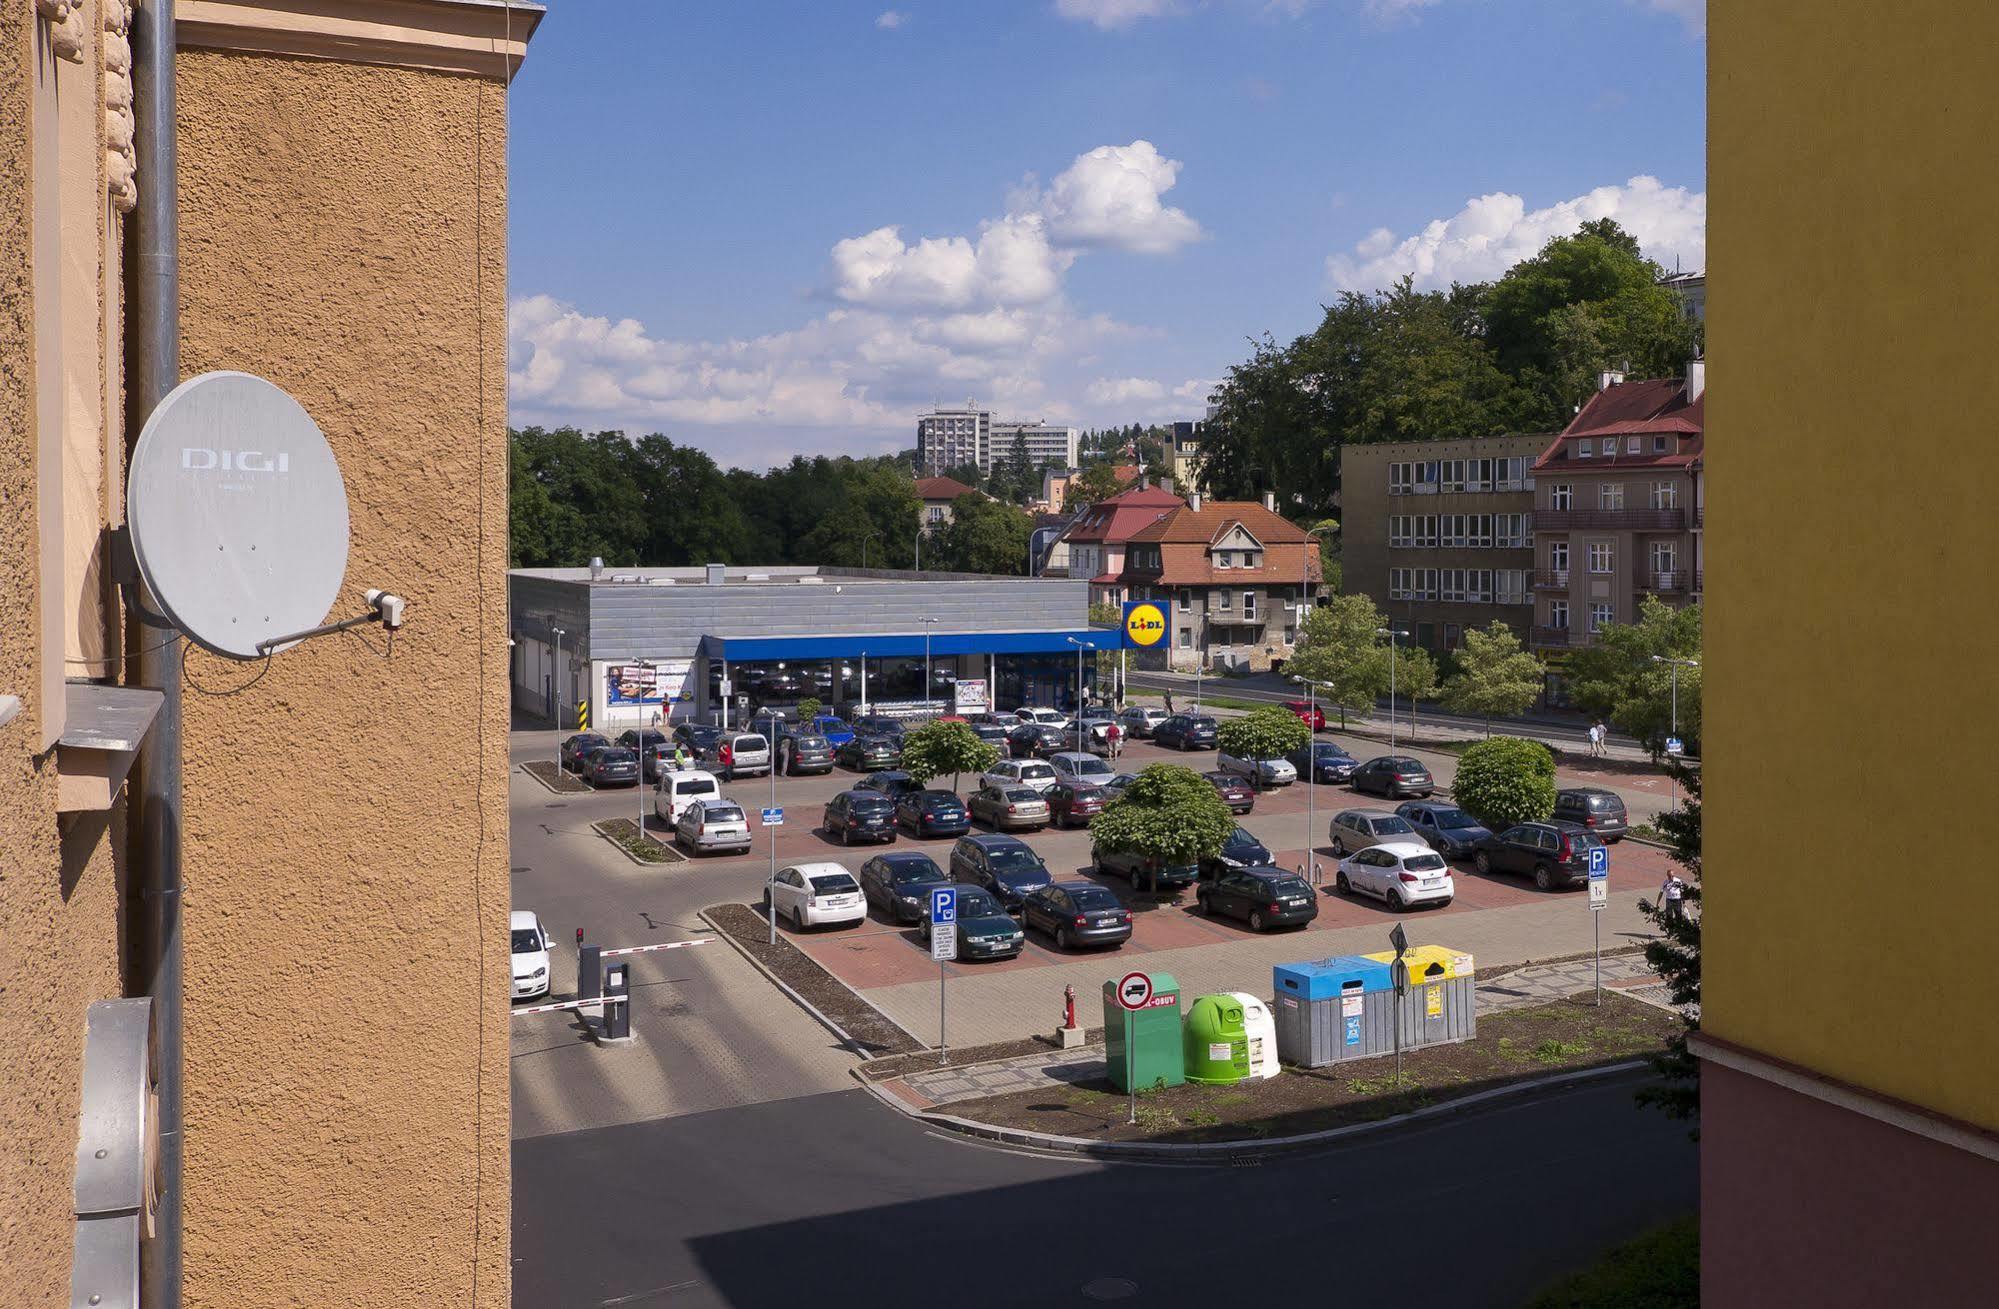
{"points": [[1110, 1288]]}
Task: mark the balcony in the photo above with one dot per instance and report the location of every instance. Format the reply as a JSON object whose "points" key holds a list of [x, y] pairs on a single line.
{"points": [[1558, 638], [1700, 517], [1551, 579], [1610, 520], [1666, 583]]}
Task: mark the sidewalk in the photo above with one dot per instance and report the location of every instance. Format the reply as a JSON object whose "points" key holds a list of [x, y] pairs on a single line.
{"points": [[1536, 984]]}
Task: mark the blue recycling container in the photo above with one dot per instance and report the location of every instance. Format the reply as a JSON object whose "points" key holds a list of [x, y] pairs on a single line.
{"points": [[1333, 1009]]}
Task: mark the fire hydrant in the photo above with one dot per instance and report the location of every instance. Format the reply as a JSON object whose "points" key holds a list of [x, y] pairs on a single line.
{"points": [[1069, 1033]]}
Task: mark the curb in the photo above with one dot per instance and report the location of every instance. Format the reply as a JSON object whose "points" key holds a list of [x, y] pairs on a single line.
{"points": [[548, 785], [643, 863], [853, 1046], [1230, 1152]]}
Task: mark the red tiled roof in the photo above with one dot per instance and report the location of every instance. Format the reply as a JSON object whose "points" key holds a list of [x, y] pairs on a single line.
{"points": [[1656, 407], [1290, 556], [1127, 512], [1185, 525], [941, 488]]}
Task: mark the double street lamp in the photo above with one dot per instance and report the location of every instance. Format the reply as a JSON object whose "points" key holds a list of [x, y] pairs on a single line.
{"points": [[928, 623], [1312, 688], [1676, 665], [1391, 633], [1080, 647]]}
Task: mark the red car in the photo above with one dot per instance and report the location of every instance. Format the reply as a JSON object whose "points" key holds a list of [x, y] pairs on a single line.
{"points": [[1073, 804], [1309, 713], [1237, 794]]}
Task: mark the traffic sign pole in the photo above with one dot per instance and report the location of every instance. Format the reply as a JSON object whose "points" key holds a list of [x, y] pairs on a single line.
{"points": [[943, 947], [1134, 993], [773, 819], [1599, 896]]}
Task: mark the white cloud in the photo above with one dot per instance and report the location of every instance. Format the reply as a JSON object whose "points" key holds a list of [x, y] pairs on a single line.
{"points": [[1110, 197], [1494, 232], [891, 19], [1693, 13], [1012, 264], [1109, 15], [1389, 10], [1123, 390]]}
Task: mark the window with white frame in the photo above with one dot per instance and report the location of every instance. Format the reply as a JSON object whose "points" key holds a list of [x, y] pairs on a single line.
{"points": [[1512, 473], [1558, 614], [1186, 601], [1452, 475], [1426, 478], [1602, 557], [1662, 445], [1225, 559], [1252, 559], [1225, 601], [1453, 580], [1510, 586], [1559, 495], [1398, 583], [1478, 586], [1399, 479], [1601, 615], [1398, 531], [1186, 638], [1249, 606], [1451, 530], [1426, 531], [1511, 531], [1665, 557], [1558, 556], [1610, 495], [1481, 531], [1584, 449], [1632, 444], [1478, 474], [1609, 447], [1665, 495]]}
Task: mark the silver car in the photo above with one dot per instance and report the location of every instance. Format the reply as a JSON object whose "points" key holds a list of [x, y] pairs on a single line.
{"points": [[1357, 829], [737, 754], [1139, 720], [1263, 774], [1088, 769], [711, 826]]}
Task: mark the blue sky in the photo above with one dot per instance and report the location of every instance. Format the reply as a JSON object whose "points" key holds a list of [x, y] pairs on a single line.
{"points": [[770, 228]]}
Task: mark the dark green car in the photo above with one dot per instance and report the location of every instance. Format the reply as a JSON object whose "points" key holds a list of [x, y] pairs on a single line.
{"points": [[1142, 871], [868, 754], [985, 931]]}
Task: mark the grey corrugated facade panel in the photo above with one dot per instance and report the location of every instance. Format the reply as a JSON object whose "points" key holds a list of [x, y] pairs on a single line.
{"points": [[534, 604], [628, 620]]}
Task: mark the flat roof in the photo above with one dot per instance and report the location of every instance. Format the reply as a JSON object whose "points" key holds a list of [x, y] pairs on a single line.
{"points": [[892, 645], [752, 575]]}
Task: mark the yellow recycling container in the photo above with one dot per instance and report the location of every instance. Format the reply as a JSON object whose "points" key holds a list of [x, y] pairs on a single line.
{"points": [[1441, 1004]]}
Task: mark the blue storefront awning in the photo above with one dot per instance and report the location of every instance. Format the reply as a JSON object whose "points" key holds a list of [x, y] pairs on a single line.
{"points": [[763, 649]]}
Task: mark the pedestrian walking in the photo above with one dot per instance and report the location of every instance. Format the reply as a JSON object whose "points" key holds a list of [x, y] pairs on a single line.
{"points": [[1672, 896], [681, 759], [1603, 740], [1169, 704]]}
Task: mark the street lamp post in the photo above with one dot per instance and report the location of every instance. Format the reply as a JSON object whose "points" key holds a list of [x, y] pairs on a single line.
{"points": [[1311, 777], [645, 681], [1673, 783], [928, 623], [1391, 633], [555, 693], [1080, 647]]}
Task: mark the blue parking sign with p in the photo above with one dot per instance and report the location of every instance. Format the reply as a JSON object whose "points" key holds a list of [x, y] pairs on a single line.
{"points": [[1599, 861], [943, 904]]}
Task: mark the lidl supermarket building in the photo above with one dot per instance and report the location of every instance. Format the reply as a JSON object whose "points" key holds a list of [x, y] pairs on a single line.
{"points": [[690, 643]]}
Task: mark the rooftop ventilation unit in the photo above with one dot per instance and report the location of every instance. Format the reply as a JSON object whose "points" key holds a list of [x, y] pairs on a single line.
{"points": [[717, 574]]}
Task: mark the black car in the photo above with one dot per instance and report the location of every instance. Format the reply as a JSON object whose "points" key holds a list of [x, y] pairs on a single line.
{"points": [[932, 813], [1035, 741], [1449, 830], [1261, 897], [1077, 913], [1326, 762], [859, 816], [985, 929], [867, 754], [1005, 866], [1555, 854], [653, 748], [803, 753], [1240, 850], [891, 782], [579, 745], [898, 883], [611, 765], [1394, 776], [697, 737], [1145, 871], [1186, 732], [1601, 811]]}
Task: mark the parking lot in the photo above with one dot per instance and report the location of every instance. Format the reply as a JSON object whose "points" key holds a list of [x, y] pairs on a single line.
{"points": [[1499, 918]]}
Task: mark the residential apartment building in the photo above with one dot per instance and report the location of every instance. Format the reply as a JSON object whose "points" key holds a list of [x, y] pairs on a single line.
{"points": [[1237, 576], [1183, 454], [336, 175], [1096, 540], [1849, 1134], [1691, 288], [1440, 534], [952, 438], [937, 494], [1618, 500]]}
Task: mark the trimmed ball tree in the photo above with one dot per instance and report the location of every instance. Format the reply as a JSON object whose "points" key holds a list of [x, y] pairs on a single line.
{"points": [[1269, 732], [1169, 813], [1504, 780], [940, 747]]}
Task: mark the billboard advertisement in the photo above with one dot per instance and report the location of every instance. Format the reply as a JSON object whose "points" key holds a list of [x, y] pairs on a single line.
{"points": [[1144, 624], [648, 684], [971, 696]]}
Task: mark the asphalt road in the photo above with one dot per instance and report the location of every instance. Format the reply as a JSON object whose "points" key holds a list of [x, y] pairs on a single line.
{"points": [[836, 1199]]}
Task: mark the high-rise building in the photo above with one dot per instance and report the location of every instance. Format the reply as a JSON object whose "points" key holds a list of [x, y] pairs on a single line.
{"points": [[1047, 443], [951, 438]]}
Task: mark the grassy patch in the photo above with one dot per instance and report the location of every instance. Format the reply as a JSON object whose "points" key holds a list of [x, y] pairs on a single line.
{"points": [[1659, 1270], [1380, 1085], [625, 834], [1556, 1052]]}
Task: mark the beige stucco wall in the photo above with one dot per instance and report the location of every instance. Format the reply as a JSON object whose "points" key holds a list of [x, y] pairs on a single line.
{"points": [[346, 818], [60, 888]]}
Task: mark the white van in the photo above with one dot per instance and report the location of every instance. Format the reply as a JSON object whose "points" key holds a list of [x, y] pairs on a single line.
{"points": [[679, 788]]}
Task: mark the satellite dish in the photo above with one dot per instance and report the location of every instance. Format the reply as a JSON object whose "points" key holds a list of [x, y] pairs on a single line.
{"points": [[237, 513]]}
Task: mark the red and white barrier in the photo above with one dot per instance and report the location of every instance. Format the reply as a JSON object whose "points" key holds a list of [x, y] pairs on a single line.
{"points": [[642, 949], [569, 1004]]}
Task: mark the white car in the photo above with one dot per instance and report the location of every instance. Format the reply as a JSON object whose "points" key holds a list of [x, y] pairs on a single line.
{"points": [[1404, 874], [1041, 716], [680, 787], [1262, 774], [530, 951], [1139, 720], [814, 894], [710, 825], [1084, 769], [1020, 772]]}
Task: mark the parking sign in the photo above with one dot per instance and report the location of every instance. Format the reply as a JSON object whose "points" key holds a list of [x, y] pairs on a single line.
{"points": [[773, 817], [943, 904], [1675, 746], [1599, 862]]}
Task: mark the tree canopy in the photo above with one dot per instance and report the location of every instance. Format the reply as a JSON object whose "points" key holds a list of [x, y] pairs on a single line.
{"points": [[1168, 812], [946, 747], [1266, 732], [1503, 781], [1495, 677], [983, 536], [1340, 648], [1619, 679]]}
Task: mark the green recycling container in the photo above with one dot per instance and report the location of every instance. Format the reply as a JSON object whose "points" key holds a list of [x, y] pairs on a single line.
{"points": [[1142, 1045], [1217, 1041]]}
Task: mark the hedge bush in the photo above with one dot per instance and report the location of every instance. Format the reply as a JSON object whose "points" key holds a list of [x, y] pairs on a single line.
{"points": [[1504, 780]]}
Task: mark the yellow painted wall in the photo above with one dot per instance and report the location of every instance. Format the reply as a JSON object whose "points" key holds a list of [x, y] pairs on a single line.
{"points": [[346, 818], [1852, 913]]}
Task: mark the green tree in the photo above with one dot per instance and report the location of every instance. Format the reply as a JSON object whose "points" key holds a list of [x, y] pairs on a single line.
{"points": [[1495, 677], [983, 536], [967, 474], [1266, 732], [1504, 780], [1415, 678], [808, 709], [1618, 677], [1340, 648], [1168, 812], [1676, 955], [1095, 483], [946, 747]]}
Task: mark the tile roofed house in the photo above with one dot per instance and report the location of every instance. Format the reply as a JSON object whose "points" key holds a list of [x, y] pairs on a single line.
{"points": [[1619, 499], [937, 494], [1096, 540], [1238, 576]]}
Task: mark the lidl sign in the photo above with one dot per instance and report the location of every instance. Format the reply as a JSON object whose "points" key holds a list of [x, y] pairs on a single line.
{"points": [[1144, 623]]}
